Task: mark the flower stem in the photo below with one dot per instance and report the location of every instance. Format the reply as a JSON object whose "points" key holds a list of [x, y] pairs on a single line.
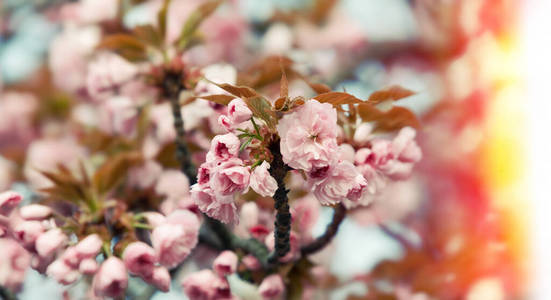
{"points": [[328, 235]]}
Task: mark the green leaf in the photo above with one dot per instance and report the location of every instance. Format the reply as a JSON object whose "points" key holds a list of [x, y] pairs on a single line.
{"points": [[262, 109], [194, 21], [245, 144], [161, 18]]}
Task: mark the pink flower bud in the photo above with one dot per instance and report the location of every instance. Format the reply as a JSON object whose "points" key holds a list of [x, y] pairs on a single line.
{"points": [[238, 111], [89, 247], [272, 287], [49, 242], [160, 278], [225, 264], [13, 264], [71, 257], [223, 147], [8, 201], [139, 259], [88, 266], [111, 280], [27, 232], [154, 218], [35, 212], [262, 182], [251, 262], [225, 122], [205, 285], [62, 273], [363, 133]]}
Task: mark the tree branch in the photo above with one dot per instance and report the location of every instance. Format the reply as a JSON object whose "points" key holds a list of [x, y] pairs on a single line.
{"points": [[172, 88], [330, 232], [282, 231]]}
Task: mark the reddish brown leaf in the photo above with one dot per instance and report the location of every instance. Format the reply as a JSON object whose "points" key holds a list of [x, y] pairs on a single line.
{"points": [[262, 109], [114, 170], [394, 92], [337, 98], [393, 119], [125, 45], [279, 104], [220, 99], [238, 91], [148, 34]]}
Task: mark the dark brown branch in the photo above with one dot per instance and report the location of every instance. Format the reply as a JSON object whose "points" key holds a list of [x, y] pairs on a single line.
{"points": [[282, 231], [330, 232], [172, 88]]}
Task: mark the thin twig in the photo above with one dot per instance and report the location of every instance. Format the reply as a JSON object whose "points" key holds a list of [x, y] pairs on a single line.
{"points": [[328, 235]]}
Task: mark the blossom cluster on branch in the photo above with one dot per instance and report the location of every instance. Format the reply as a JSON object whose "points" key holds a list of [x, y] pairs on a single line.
{"points": [[143, 158]]}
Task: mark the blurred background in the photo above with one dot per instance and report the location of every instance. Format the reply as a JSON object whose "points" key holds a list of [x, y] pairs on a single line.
{"points": [[473, 222]]}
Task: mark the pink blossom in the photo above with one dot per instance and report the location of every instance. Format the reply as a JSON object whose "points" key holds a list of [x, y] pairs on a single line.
{"points": [[35, 212], [16, 118], [262, 182], [139, 259], [62, 272], [111, 280], [223, 210], [173, 243], [88, 266], [118, 116], [172, 184], [50, 241], [219, 73], [238, 111], [160, 278], [229, 177], [205, 285], [223, 147], [14, 261], [89, 247], [8, 201], [308, 135], [107, 72], [305, 212], [68, 54], [404, 146], [146, 175], [346, 152], [272, 287], [96, 11], [46, 155], [341, 181], [225, 264]]}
